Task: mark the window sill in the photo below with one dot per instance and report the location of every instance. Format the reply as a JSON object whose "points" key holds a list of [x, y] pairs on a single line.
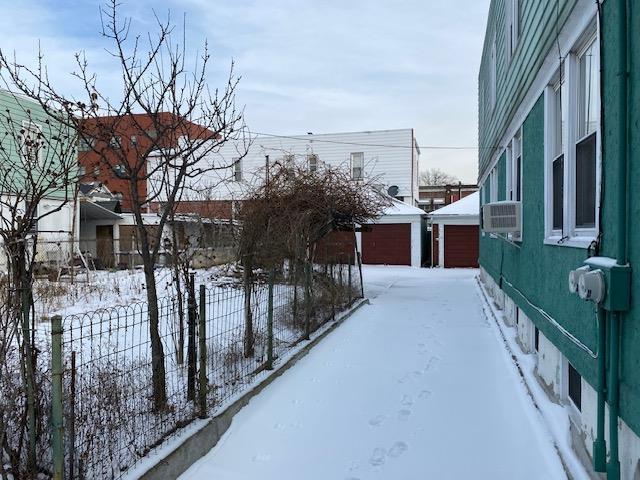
{"points": [[572, 242]]}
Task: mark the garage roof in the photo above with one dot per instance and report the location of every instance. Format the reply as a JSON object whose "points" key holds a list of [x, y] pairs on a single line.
{"points": [[467, 206], [400, 208]]}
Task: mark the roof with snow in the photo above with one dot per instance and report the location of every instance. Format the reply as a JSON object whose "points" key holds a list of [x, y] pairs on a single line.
{"points": [[468, 206], [400, 208]]}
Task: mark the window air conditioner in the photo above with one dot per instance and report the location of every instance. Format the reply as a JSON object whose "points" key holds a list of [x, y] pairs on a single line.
{"points": [[502, 217]]}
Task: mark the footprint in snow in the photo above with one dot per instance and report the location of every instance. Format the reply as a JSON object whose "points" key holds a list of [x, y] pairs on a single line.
{"points": [[403, 415], [424, 394], [398, 449], [406, 400], [377, 457], [377, 420], [261, 457]]}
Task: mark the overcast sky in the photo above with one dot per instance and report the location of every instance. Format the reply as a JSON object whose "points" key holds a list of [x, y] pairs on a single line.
{"points": [[308, 65]]}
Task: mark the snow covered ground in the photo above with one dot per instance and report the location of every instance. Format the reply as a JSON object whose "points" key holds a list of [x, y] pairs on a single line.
{"points": [[416, 385]]}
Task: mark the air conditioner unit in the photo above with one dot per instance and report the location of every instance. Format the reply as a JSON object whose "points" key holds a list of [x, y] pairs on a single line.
{"points": [[502, 217]]}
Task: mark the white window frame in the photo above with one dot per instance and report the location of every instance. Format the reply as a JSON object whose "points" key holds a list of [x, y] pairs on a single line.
{"points": [[237, 169], [513, 148], [29, 128], [513, 27], [493, 185], [493, 74], [313, 162], [355, 155], [571, 236]]}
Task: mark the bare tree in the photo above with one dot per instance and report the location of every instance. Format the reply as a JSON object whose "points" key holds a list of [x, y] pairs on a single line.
{"points": [[38, 162], [437, 177], [284, 218], [163, 126]]}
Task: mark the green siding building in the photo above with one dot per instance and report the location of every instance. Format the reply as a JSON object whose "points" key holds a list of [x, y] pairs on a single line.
{"points": [[38, 166], [559, 133]]}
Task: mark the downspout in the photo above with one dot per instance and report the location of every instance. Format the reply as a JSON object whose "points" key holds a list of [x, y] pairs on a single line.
{"points": [[613, 467], [600, 443]]}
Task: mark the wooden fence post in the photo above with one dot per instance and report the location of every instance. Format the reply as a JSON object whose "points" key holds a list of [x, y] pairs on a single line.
{"points": [[57, 436]]}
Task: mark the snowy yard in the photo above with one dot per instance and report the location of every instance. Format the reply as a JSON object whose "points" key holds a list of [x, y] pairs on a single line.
{"points": [[416, 385]]}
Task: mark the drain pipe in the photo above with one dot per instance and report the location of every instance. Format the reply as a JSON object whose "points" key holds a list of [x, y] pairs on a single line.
{"points": [[600, 444], [613, 467]]}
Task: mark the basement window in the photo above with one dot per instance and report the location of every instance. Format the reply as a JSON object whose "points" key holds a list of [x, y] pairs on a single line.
{"points": [[575, 386]]}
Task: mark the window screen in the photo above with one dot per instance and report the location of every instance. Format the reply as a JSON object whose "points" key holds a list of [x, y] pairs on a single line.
{"points": [[558, 192], [586, 182]]}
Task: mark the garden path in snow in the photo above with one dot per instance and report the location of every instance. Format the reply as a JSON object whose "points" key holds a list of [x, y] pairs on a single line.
{"points": [[417, 385]]}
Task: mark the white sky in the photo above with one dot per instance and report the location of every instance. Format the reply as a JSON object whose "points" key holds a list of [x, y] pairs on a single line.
{"points": [[320, 66]]}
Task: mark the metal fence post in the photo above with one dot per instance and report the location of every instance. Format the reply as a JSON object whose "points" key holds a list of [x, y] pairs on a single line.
{"points": [[360, 270], [57, 436], [270, 321], [307, 300], [191, 347], [202, 347], [350, 289]]}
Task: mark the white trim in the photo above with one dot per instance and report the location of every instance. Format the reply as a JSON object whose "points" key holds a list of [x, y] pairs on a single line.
{"points": [[573, 236], [577, 23], [441, 246], [457, 220]]}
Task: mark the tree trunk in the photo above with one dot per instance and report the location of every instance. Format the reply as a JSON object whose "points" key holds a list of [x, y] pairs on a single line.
{"points": [[158, 376], [179, 297]]}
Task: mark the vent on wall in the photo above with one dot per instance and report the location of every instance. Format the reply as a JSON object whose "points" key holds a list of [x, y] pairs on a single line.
{"points": [[501, 217]]}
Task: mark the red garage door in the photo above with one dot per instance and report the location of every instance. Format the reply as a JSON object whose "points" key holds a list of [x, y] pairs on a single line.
{"points": [[387, 244], [461, 246]]}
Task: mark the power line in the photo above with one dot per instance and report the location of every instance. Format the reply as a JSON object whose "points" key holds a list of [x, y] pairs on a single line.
{"points": [[315, 139]]}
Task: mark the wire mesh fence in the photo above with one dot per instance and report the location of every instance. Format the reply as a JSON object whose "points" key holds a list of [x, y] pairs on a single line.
{"points": [[214, 345]]}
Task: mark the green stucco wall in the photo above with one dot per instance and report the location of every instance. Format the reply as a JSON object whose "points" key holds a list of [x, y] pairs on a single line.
{"points": [[539, 272]]}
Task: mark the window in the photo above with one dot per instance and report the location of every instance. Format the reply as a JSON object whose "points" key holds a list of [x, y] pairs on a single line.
{"points": [[357, 166], [134, 140], [96, 171], [115, 142], [237, 169], [152, 134], [32, 143], [516, 148], [514, 8], [585, 168], [514, 168], [536, 339], [312, 160], [557, 141], [86, 144], [492, 74], [572, 113], [120, 171], [493, 185], [31, 212], [575, 386]]}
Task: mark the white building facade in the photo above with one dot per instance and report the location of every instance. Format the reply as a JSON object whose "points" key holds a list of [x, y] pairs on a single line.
{"points": [[389, 157]]}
